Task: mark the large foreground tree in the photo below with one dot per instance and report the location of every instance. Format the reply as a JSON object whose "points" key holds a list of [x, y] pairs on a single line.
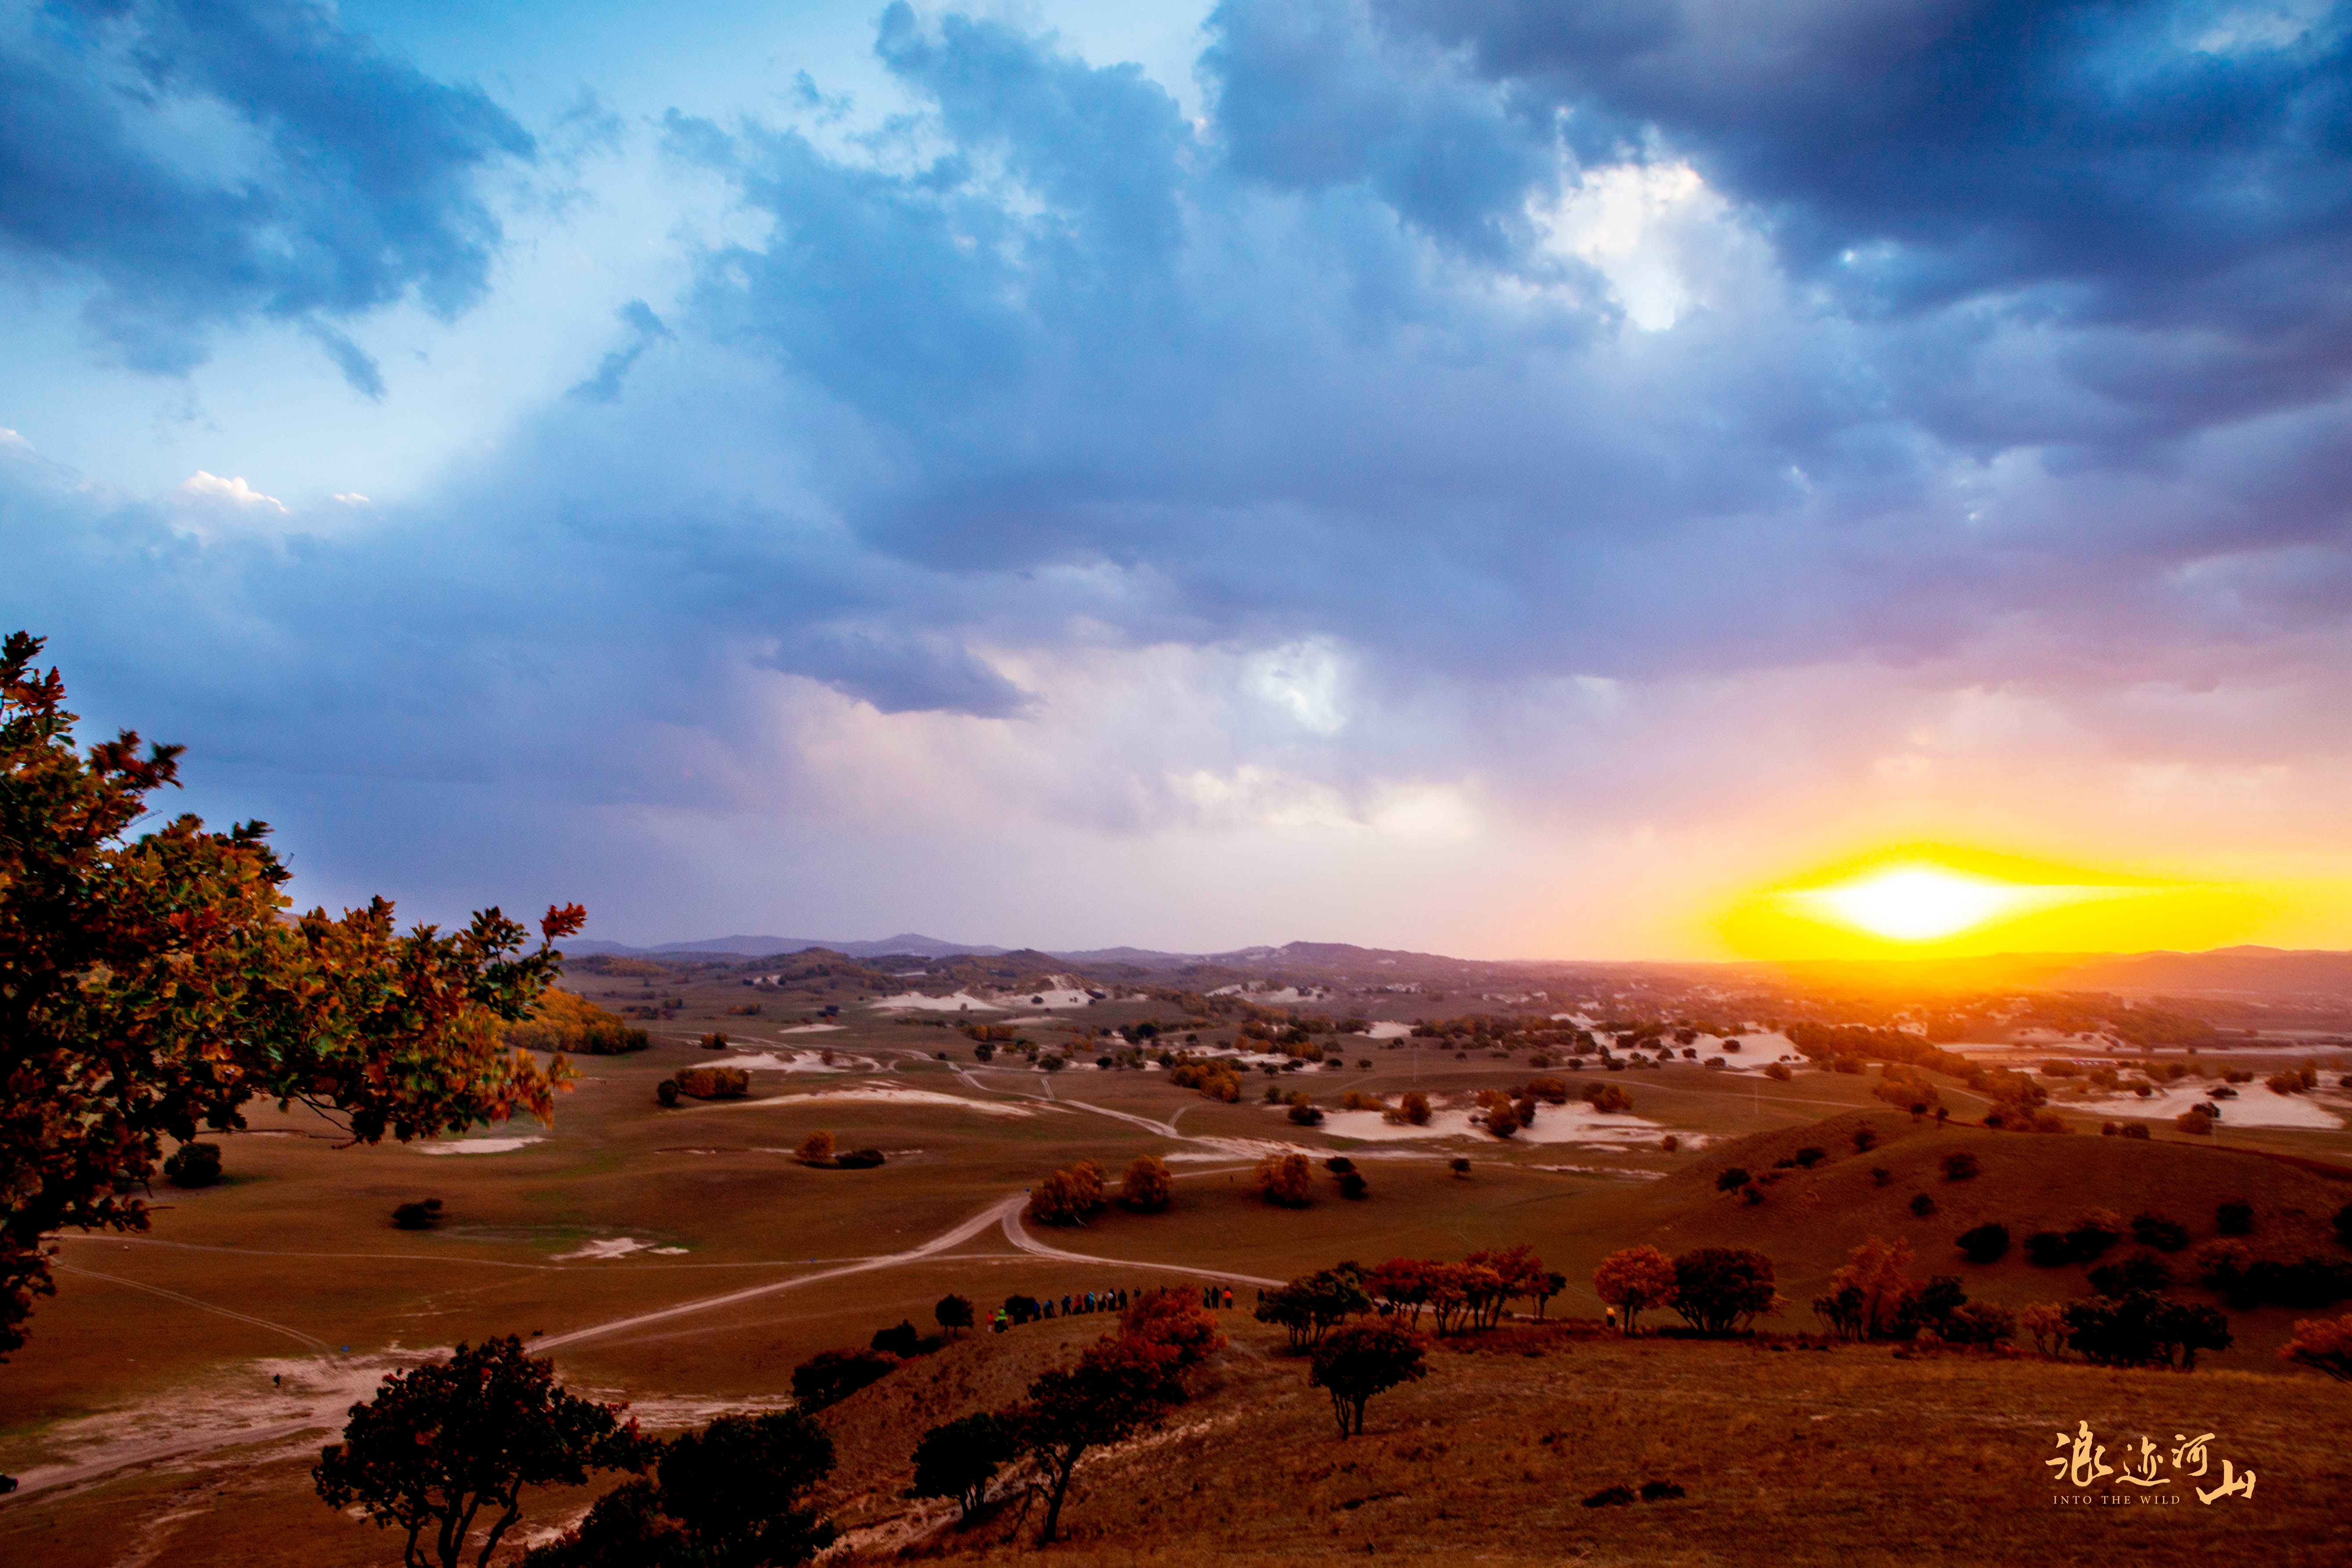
{"points": [[443, 1445], [152, 986]]}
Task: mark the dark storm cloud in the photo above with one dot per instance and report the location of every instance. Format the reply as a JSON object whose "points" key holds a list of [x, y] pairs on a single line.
{"points": [[204, 164], [2169, 166]]}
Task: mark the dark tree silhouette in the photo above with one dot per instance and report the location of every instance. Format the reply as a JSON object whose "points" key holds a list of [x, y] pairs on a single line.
{"points": [[440, 1444], [830, 1377], [954, 1314], [1356, 1363], [726, 1496], [958, 1459]]}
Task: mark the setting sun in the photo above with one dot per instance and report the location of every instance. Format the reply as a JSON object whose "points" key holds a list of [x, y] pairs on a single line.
{"points": [[1922, 903], [1946, 900]]}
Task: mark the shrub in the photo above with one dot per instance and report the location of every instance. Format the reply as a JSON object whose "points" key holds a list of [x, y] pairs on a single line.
{"points": [[1305, 1115], [1777, 1072], [421, 1215], [1411, 1110], [1719, 1289], [2140, 1271], [857, 1159], [1502, 1121], [1922, 1204], [194, 1165], [2046, 1321], [830, 1377], [1609, 1497], [714, 1083], [1068, 1197], [2234, 1217], [1732, 1180], [1283, 1181], [1882, 1176], [1147, 1188], [2093, 1232], [714, 1041], [1960, 1165], [1980, 1323], [1985, 1244], [1809, 1157], [2135, 1129], [1670, 1143], [816, 1149], [1458, 1165], [900, 1339], [2156, 1231], [2143, 1329], [2047, 1249], [2323, 1346], [666, 1092], [1352, 1185], [1607, 1096], [1865, 1139]]}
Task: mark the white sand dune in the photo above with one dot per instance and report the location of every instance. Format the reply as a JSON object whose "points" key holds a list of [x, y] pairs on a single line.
{"points": [[797, 1062], [915, 1001], [2254, 1106], [811, 1029], [881, 1094], [1573, 1124], [478, 1146], [1389, 1029]]}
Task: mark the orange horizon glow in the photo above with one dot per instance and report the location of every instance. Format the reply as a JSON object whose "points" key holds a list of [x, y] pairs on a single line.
{"points": [[1920, 902]]}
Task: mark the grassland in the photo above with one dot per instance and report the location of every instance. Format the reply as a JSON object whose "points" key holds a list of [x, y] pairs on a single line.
{"points": [[149, 1377]]}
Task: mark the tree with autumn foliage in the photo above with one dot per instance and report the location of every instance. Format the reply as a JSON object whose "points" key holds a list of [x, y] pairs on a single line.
{"points": [[1116, 1390], [2324, 1345], [1068, 1197], [441, 1444], [1632, 1279], [150, 986], [1147, 1188], [1173, 1318]]}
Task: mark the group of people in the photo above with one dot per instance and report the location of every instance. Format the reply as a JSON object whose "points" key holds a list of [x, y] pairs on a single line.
{"points": [[1029, 1309]]}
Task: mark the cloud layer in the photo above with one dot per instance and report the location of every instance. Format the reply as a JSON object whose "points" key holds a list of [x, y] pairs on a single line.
{"points": [[1636, 449]]}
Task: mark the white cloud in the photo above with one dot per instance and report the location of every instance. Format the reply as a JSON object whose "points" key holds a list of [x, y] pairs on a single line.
{"points": [[202, 486]]}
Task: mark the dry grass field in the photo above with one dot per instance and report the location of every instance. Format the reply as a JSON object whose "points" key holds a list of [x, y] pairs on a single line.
{"points": [[173, 1392]]}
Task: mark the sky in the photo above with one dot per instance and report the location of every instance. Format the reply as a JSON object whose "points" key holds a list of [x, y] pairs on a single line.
{"points": [[1481, 476]]}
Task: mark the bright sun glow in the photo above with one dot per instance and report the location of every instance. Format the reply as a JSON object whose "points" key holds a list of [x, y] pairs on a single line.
{"points": [[1919, 903]]}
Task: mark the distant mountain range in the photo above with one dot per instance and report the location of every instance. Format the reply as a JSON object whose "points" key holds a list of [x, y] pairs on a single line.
{"points": [[2247, 971], [913, 944], [907, 942]]}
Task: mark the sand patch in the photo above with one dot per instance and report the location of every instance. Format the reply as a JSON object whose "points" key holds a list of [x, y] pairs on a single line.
{"points": [[618, 1246], [479, 1146], [1389, 1029], [798, 1061], [811, 1029], [881, 1094], [1576, 1124], [2254, 1106], [915, 1001]]}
